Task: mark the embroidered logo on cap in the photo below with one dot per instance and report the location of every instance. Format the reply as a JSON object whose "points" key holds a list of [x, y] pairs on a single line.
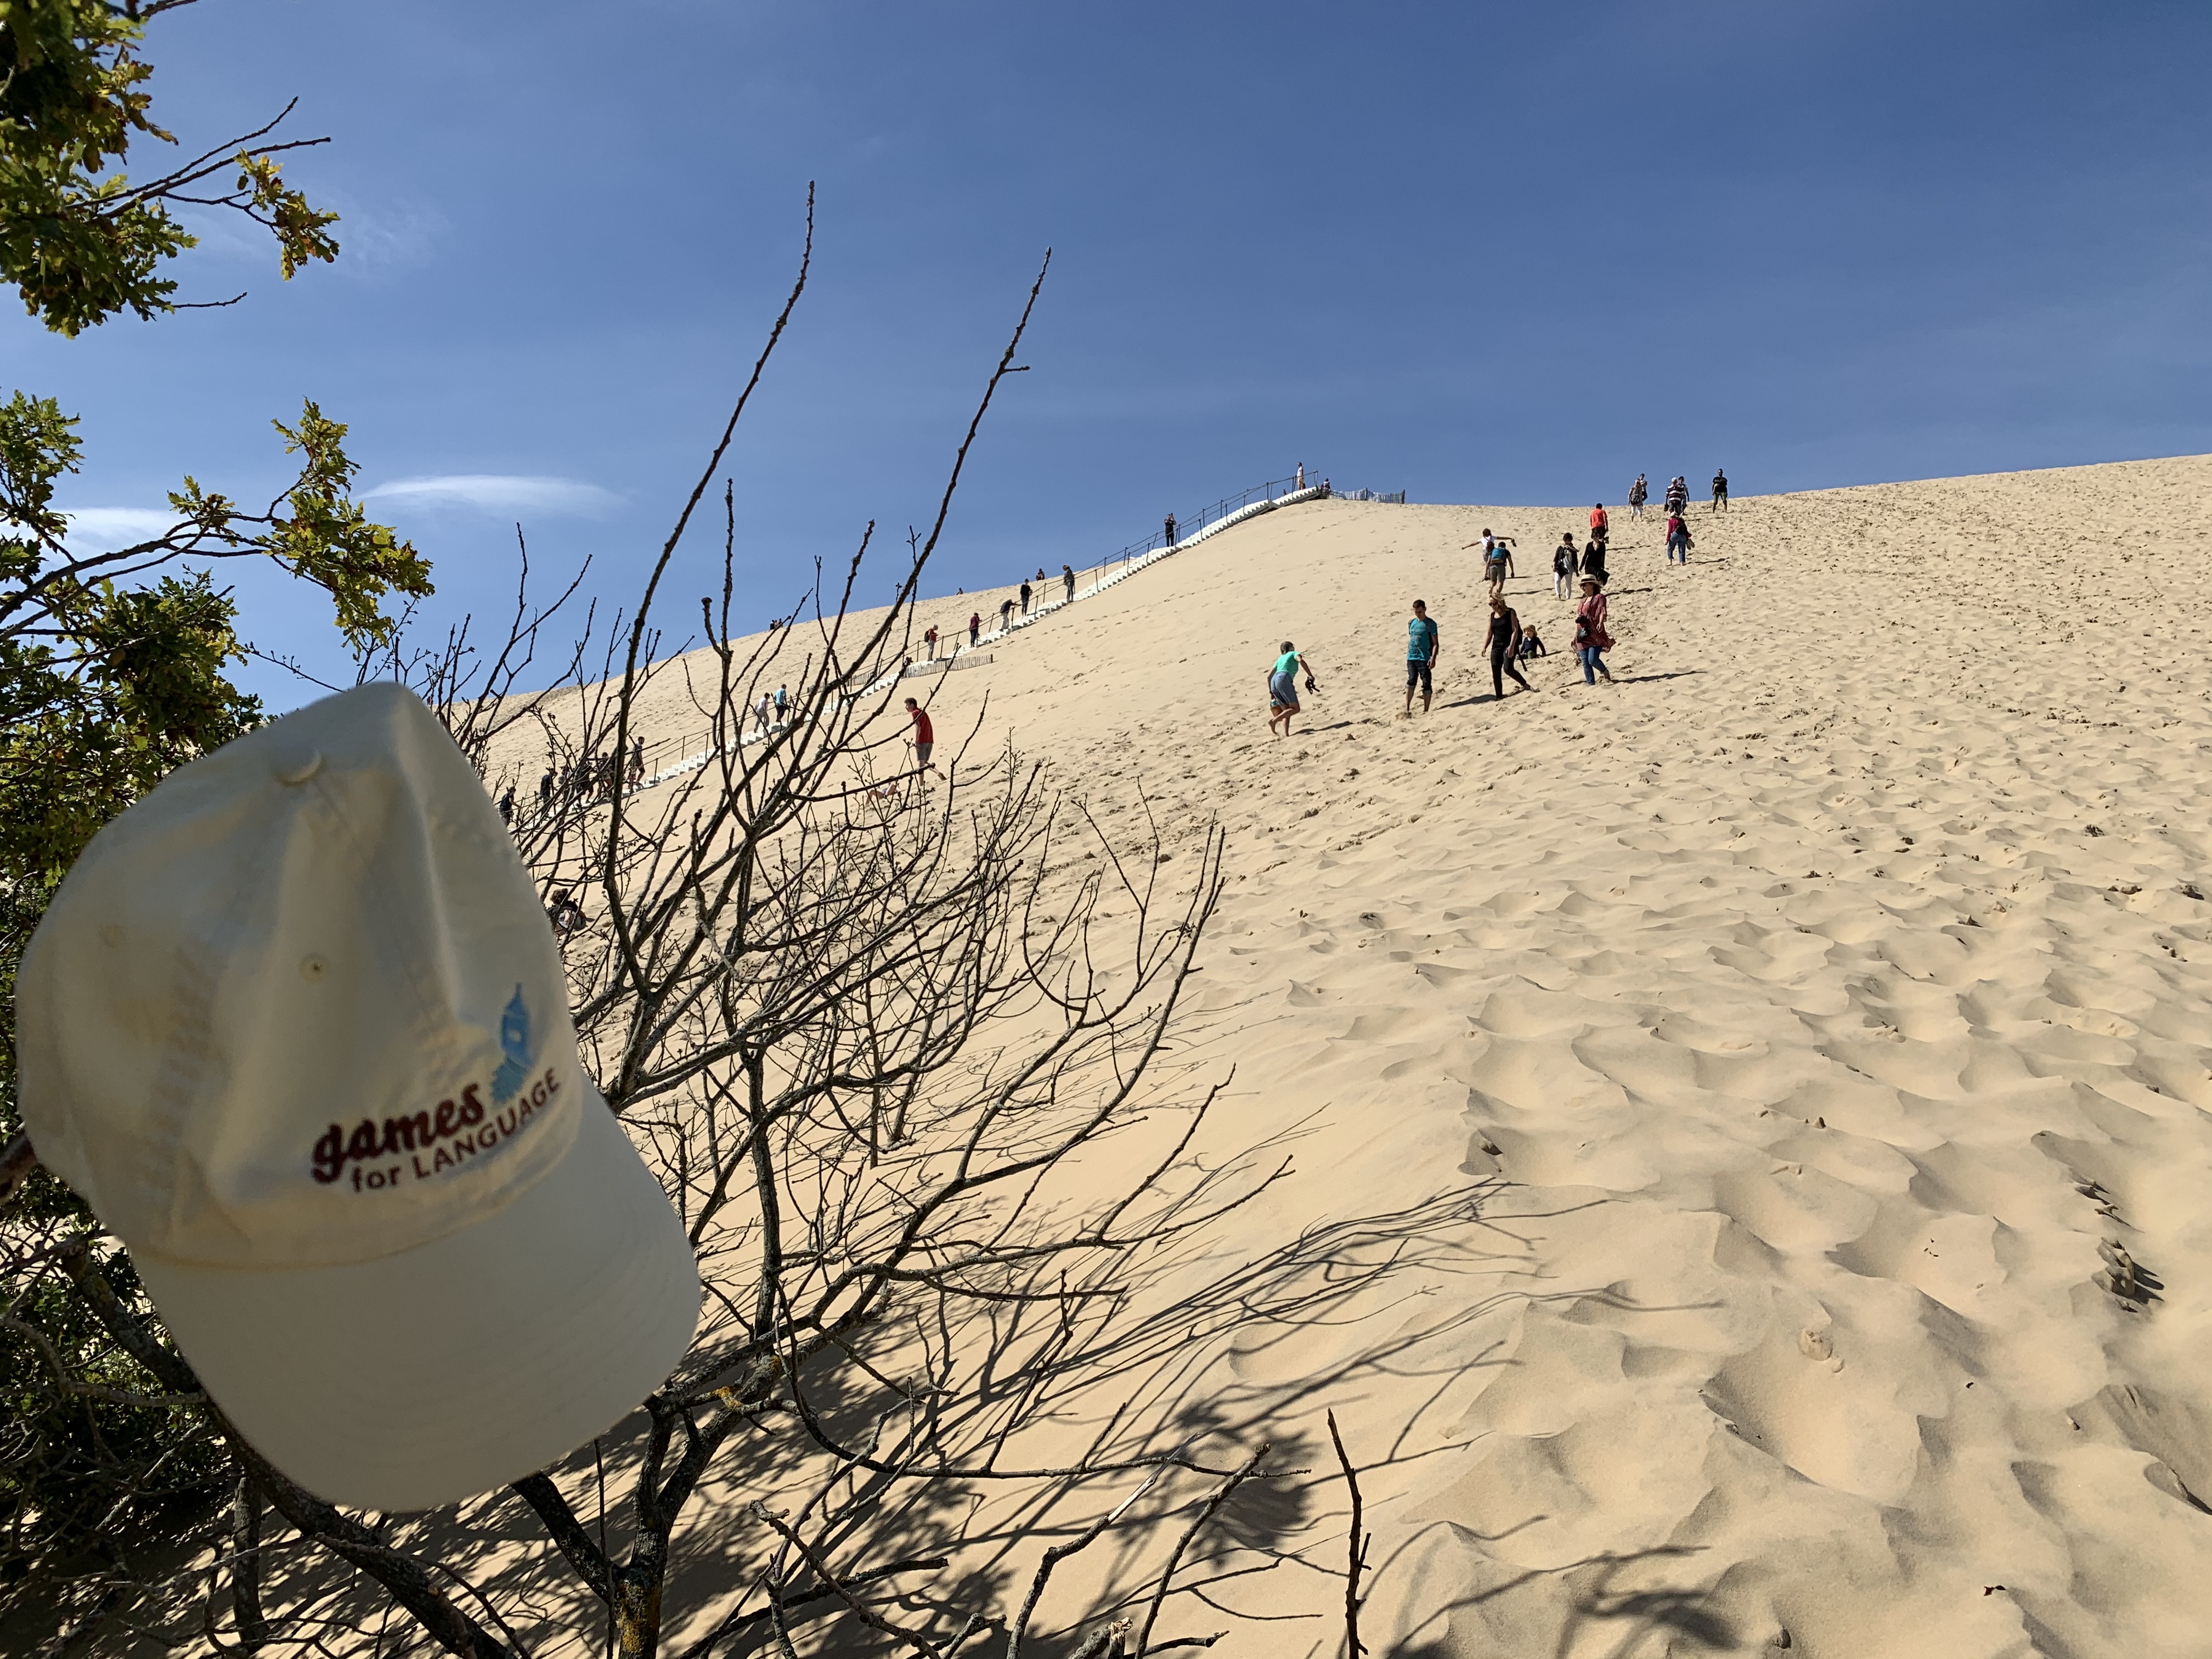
{"points": [[420, 1144], [514, 1043]]}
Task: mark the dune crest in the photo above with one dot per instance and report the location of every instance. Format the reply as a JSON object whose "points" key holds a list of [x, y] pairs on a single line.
{"points": [[1818, 1018]]}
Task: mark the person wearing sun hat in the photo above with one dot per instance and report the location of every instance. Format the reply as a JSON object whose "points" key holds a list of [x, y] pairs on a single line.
{"points": [[296, 1029], [1590, 637]]}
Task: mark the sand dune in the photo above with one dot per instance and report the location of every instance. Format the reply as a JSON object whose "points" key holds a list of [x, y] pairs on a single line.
{"points": [[1816, 1023]]}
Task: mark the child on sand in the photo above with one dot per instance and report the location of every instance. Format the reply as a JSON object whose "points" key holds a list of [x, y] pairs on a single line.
{"points": [[1283, 688], [1590, 637], [1531, 645]]}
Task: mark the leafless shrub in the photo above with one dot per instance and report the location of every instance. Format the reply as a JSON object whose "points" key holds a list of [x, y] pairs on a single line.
{"points": [[898, 1058]]}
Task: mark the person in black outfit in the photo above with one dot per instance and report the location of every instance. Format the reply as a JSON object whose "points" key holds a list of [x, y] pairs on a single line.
{"points": [[1594, 559], [1171, 530], [1025, 598], [1068, 578], [1505, 642]]}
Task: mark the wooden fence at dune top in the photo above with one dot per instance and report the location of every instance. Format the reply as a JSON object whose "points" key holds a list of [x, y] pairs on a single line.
{"points": [[673, 757]]}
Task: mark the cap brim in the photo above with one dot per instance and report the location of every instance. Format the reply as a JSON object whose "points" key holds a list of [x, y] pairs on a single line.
{"points": [[419, 1379]]}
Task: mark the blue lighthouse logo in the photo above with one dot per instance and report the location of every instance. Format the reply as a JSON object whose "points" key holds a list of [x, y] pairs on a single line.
{"points": [[514, 1043]]}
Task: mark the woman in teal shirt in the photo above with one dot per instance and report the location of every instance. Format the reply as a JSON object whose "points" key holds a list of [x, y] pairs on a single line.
{"points": [[1283, 688]]}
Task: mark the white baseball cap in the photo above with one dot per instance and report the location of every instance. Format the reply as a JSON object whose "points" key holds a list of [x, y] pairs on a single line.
{"points": [[296, 1029]]}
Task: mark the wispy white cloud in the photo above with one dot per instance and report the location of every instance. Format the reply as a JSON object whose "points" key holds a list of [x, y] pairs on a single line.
{"points": [[499, 492], [103, 527]]}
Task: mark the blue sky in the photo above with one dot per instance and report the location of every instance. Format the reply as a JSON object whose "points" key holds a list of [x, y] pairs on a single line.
{"points": [[1492, 253]]}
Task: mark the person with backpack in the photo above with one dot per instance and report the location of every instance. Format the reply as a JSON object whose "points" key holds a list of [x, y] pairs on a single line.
{"points": [[1678, 536], [1638, 493], [1565, 561], [1591, 640]]}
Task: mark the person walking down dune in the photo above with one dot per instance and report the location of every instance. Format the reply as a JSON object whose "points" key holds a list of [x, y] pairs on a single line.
{"points": [[1720, 492], [1678, 536], [924, 738], [1591, 640], [1565, 561], [1421, 647], [1505, 644], [1593, 563], [1601, 526], [1677, 495], [1638, 493], [1283, 688], [1497, 557]]}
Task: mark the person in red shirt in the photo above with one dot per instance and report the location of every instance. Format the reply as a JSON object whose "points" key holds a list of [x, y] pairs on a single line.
{"points": [[925, 738], [929, 639], [1601, 527], [975, 625]]}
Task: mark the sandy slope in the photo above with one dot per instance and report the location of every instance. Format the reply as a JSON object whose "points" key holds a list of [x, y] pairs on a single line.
{"points": [[1834, 991]]}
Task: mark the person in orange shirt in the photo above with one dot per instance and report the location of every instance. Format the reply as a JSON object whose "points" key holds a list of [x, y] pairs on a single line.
{"points": [[1601, 527]]}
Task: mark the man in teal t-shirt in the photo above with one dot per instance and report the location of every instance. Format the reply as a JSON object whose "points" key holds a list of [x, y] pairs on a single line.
{"points": [[1420, 655]]}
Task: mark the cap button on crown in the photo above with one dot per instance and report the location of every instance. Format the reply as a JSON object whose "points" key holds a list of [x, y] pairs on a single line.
{"points": [[301, 768]]}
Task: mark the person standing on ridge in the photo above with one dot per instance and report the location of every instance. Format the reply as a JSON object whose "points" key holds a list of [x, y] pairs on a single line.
{"points": [[1421, 647], [1504, 643], [1720, 491], [1283, 688], [1638, 493], [1067, 580], [1591, 640], [1171, 530]]}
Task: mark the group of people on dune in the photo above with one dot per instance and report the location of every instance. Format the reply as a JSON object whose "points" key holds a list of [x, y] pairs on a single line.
{"points": [[1508, 642]]}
